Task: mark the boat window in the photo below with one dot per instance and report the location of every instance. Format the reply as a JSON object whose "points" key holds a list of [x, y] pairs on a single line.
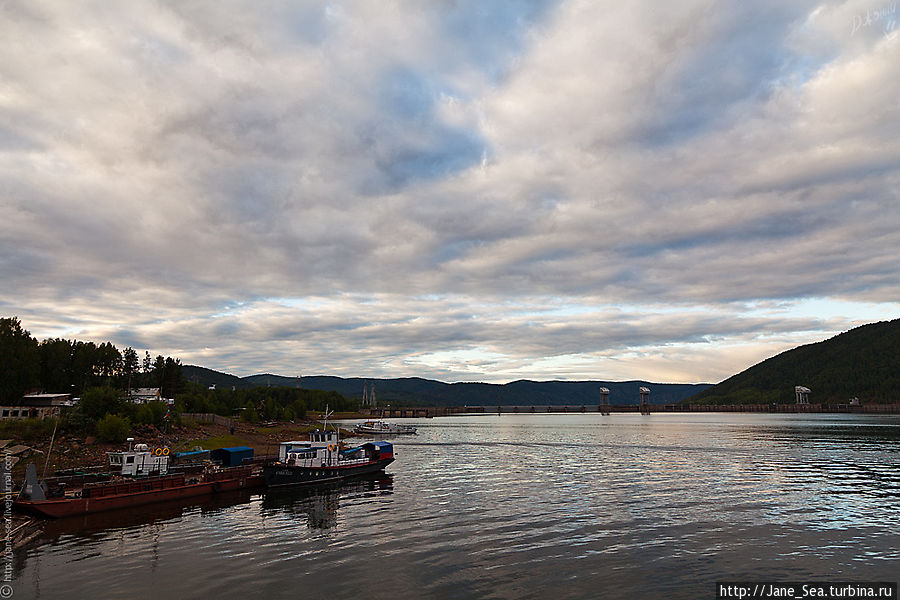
{"points": [[129, 460], [6, 413]]}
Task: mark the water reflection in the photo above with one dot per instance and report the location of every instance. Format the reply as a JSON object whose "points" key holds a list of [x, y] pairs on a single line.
{"points": [[97, 525], [92, 536], [319, 504], [528, 506]]}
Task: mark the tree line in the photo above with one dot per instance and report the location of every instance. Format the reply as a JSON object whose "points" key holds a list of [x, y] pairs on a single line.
{"points": [[262, 403], [73, 367], [102, 376]]}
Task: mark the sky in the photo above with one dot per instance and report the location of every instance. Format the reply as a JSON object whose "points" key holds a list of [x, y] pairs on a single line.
{"points": [[456, 190]]}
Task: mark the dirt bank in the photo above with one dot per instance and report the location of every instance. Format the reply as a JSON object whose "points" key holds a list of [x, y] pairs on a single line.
{"points": [[77, 452]]}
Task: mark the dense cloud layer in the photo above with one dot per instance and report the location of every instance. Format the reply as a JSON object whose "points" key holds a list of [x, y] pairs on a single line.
{"points": [[460, 190]]}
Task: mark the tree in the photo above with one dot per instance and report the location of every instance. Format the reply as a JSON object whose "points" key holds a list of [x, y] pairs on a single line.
{"points": [[171, 378], [99, 401], [19, 360], [158, 371], [109, 362], [147, 364], [129, 365], [271, 411], [84, 361], [151, 413], [56, 365], [298, 407], [249, 413]]}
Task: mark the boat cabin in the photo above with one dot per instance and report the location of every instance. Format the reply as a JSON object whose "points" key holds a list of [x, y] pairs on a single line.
{"points": [[140, 461], [320, 438], [316, 453], [323, 448]]}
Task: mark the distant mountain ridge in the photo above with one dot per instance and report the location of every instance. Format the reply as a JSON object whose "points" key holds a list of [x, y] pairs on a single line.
{"points": [[416, 391], [863, 362]]}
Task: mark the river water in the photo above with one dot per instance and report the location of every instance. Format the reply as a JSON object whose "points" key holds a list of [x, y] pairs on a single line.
{"points": [[522, 506]]}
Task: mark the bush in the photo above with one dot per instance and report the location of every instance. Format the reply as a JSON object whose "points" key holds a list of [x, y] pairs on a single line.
{"points": [[97, 402], [249, 414], [151, 413], [75, 421], [113, 428], [28, 429]]}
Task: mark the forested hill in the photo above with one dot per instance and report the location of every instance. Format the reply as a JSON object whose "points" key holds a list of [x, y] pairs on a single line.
{"points": [[863, 362], [415, 391]]}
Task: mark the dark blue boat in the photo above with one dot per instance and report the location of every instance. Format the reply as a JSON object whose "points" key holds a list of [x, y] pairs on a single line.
{"points": [[323, 459]]}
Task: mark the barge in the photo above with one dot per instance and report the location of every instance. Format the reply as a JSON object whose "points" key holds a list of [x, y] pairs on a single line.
{"points": [[143, 479]]}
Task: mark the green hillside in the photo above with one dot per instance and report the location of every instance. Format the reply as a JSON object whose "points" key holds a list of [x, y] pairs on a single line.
{"points": [[207, 377], [863, 362], [415, 391]]}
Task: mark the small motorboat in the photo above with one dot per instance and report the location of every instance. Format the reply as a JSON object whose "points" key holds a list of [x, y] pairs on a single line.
{"points": [[382, 427]]}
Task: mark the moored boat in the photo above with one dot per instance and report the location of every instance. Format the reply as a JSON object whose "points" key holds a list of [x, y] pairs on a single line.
{"points": [[130, 487], [99, 497], [382, 427], [323, 458]]}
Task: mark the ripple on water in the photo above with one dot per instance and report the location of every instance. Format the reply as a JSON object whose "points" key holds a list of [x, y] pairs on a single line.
{"points": [[526, 507]]}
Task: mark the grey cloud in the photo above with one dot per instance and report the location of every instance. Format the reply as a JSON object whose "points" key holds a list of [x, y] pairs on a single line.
{"points": [[704, 91], [162, 165], [358, 337]]}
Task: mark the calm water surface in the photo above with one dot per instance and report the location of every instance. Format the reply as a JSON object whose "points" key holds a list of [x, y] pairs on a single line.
{"points": [[523, 506]]}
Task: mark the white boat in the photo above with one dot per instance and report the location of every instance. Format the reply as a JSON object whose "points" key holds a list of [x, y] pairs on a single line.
{"points": [[382, 427], [324, 458]]}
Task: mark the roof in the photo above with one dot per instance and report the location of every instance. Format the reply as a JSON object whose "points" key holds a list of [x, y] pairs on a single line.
{"points": [[236, 449], [382, 444], [145, 392], [42, 400]]}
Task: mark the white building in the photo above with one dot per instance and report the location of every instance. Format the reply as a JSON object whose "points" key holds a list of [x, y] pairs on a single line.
{"points": [[145, 395], [36, 406]]}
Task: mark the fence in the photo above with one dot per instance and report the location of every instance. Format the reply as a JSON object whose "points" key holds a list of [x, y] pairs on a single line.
{"points": [[209, 418]]}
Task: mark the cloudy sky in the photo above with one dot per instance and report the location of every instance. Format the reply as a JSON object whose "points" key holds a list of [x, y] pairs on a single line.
{"points": [[459, 190]]}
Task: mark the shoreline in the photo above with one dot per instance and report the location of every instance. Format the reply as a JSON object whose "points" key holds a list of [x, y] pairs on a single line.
{"points": [[449, 411]]}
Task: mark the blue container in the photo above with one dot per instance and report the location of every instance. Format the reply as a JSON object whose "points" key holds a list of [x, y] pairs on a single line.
{"points": [[232, 457]]}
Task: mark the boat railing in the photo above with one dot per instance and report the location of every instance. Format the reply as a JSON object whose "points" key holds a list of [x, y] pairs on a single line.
{"points": [[72, 481], [231, 473], [354, 461], [98, 490], [317, 462], [261, 459]]}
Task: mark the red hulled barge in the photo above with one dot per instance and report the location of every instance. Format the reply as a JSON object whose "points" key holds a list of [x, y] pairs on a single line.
{"points": [[144, 479]]}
